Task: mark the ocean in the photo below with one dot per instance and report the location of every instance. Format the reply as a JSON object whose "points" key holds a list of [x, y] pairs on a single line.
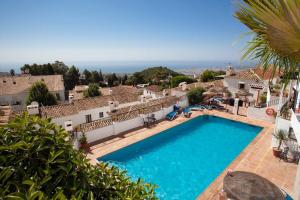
{"points": [[134, 66]]}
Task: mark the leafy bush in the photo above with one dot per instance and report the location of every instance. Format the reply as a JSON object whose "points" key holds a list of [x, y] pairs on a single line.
{"points": [[178, 79], [37, 162], [195, 96], [263, 99], [209, 75], [152, 75], [39, 92], [92, 91]]}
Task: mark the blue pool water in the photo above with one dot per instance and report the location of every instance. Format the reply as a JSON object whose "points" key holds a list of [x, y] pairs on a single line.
{"points": [[182, 161]]}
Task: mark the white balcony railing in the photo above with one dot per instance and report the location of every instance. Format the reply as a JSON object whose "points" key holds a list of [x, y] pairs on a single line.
{"points": [[295, 125]]}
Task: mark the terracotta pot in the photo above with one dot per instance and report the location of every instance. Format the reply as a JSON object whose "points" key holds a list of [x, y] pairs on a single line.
{"points": [[84, 146], [276, 152]]}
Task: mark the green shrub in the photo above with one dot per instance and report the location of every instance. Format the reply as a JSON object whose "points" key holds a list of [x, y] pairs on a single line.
{"points": [[39, 92], [209, 75], [92, 91], [179, 79], [37, 162], [195, 96]]}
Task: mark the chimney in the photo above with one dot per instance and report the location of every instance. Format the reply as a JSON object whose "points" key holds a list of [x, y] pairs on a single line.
{"points": [[33, 108], [229, 70], [71, 98], [69, 125]]}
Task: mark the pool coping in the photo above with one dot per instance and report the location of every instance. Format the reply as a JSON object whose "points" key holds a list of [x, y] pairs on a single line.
{"points": [[211, 191]]}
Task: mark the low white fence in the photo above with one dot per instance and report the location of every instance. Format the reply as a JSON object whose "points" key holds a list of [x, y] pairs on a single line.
{"points": [[122, 126], [260, 114]]}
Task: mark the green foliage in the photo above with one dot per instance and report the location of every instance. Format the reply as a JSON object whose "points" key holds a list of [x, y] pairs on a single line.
{"points": [[281, 136], [263, 98], [275, 28], [153, 75], [83, 139], [195, 96], [71, 78], [40, 93], [37, 162], [209, 75], [92, 91], [178, 79], [112, 80]]}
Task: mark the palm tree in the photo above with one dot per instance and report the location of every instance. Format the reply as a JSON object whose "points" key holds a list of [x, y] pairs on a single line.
{"points": [[275, 25]]}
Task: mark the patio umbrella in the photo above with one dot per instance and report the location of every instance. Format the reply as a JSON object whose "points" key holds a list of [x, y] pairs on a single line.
{"points": [[240, 185]]}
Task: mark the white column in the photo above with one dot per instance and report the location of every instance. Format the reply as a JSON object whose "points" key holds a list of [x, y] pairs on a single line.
{"points": [[236, 106]]}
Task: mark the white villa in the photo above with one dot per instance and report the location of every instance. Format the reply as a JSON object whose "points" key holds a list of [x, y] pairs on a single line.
{"points": [[254, 81], [14, 89], [105, 116]]}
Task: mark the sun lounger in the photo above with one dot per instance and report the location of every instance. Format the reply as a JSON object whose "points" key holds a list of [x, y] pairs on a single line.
{"points": [[171, 115], [187, 112]]}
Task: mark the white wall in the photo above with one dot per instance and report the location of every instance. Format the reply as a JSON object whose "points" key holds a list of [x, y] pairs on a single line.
{"points": [[120, 127], [260, 114], [99, 133], [127, 125]]}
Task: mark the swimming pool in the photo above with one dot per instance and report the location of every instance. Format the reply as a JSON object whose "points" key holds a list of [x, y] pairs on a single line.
{"points": [[183, 160]]}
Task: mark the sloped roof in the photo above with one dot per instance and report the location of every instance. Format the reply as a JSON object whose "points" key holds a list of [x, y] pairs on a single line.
{"points": [[10, 85], [85, 104], [154, 88], [246, 75], [267, 74], [119, 89]]}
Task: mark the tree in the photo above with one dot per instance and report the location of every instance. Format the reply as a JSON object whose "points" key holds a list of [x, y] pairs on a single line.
{"points": [[87, 75], [275, 27], [95, 78], [209, 75], [40, 93], [92, 91], [111, 79], [39, 162], [12, 72], [72, 78], [179, 79], [195, 96], [101, 76]]}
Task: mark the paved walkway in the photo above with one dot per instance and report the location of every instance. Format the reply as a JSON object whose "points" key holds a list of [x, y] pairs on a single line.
{"points": [[257, 156]]}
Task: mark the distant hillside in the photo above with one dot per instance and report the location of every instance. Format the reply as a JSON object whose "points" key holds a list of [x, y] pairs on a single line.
{"points": [[153, 75]]}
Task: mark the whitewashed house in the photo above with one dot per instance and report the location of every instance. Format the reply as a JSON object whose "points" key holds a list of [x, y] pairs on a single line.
{"points": [[15, 89], [105, 116], [254, 81]]}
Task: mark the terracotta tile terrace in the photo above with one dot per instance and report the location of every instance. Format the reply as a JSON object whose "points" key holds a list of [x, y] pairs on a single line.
{"points": [[257, 157]]}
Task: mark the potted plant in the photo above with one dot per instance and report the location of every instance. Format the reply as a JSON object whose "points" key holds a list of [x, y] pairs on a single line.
{"points": [[83, 142], [281, 137]]}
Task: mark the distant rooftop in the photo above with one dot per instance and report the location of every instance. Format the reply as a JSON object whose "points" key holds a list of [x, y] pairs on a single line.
{"points": [[10, 85], [85, 104]]}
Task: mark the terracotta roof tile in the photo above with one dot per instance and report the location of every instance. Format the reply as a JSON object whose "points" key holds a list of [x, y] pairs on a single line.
{"points": [[85, 104], [10, 85]]}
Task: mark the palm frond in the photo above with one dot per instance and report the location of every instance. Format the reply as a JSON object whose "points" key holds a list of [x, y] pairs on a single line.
{"points": [[275, 25]]}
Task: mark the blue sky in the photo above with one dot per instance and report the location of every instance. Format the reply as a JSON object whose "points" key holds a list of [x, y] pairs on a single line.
{"points": [[119, 30]]}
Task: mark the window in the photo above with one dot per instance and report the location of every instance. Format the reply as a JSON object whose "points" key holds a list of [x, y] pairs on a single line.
{"points": [[88, 118], [14, 82], [241, 86], [100, 114], [4, 81]]}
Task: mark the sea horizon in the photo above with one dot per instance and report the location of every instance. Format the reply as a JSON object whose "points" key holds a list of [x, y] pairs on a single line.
{"points": [[135, 66]]}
